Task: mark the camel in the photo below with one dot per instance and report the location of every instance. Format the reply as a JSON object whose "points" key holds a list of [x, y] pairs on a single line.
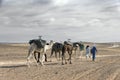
{"points": [[39, 47], [76, 46], [67, 48], [57, 48]]}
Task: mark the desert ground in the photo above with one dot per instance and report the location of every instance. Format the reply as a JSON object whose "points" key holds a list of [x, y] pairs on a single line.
{"points": [[13, 65]]}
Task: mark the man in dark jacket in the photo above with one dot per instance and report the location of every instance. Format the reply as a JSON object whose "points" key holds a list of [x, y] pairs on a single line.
{"points": [[93, 51]]}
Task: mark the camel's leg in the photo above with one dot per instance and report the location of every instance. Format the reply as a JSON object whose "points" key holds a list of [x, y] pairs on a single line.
{"points": [[28, 61], [29, 56], [65, 57], [38, 57], [51, 55], [56, 55], [59, 55], [45, 57], [35, 55], [62, 59], [63, 54], [70, 57], [29, 53]]}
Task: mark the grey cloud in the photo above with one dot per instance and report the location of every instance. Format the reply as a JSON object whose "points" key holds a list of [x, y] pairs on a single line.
{"points": [[76, 19], [25, 2], [42, 1], [108, 5], [1, 1]]}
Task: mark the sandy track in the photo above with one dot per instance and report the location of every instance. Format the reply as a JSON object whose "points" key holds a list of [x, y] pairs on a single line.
{"points": [[13, 67], [23, 62], [94, 73]]}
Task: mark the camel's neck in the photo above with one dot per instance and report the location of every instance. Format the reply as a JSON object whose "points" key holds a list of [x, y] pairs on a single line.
{"points": [[49, 46]]}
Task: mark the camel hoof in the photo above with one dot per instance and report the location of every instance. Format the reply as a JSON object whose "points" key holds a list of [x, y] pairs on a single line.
{"points": [[38, 61], [62, 63], [45, 60]]}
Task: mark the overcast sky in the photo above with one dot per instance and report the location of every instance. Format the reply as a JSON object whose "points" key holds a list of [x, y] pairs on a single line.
{"points": [[59, 20]]}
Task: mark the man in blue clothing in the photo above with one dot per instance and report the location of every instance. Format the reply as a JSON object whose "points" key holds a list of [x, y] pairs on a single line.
{"points": [[93, 51]]}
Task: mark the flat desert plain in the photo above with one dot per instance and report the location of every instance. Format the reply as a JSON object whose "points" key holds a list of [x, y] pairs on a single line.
{"points": [[13, 65]]}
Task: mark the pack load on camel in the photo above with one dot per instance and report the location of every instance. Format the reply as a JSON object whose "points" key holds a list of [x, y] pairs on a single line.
{"points": [[39, 42], [68, 42]]}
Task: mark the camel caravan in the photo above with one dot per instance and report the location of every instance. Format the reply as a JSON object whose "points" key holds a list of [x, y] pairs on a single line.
{"points": [[39, 47]]}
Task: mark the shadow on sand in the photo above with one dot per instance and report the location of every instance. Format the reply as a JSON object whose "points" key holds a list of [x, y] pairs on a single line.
{"points": [[13, 66]]}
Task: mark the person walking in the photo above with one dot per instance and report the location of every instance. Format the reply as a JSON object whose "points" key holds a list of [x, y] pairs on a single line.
{"points": [[88, 52], [93, 51], [81, 49]]}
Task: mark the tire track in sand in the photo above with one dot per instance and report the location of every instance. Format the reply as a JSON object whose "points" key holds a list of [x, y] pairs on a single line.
{"points": [[79, 76], [114, 75]]}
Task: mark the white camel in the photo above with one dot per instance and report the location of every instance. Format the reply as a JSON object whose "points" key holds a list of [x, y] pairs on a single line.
{"points": [[33, 49]]}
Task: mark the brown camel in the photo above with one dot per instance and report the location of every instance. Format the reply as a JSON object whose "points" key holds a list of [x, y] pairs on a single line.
{"points": [[67, 48]]}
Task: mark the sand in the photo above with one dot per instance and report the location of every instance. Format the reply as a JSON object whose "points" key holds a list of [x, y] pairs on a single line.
{"points": [[13, 65]]}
